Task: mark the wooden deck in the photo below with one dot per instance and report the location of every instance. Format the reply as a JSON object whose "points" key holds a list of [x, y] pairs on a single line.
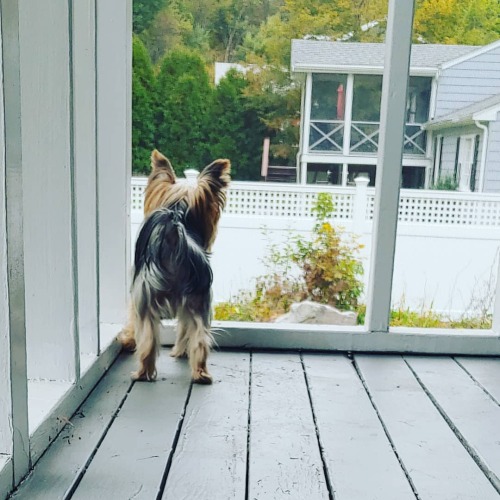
{"points": [[284, 425]]}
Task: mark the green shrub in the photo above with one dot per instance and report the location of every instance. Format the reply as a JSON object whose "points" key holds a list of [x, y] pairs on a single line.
{"points": [[446, 183], [325, 269]]}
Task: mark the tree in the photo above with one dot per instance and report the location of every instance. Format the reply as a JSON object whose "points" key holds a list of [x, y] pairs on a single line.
{"points": [[184, 97], [144, 11], [468, 22], [235, 131], [143, 104]]}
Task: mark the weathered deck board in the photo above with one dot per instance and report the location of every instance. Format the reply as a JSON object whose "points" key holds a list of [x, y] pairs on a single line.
{"points": [[359, 456], [486, 371], [284, 461], [439, 466], [130, 461], [66, 458], [467, 407], [210, 459]]}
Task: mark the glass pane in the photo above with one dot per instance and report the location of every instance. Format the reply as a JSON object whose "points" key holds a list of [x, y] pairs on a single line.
{"points": [[328, 97], [417, 106], [413, 178], [326, 136], [415, 140], [324, 173], [366, 99], [364, 137]]}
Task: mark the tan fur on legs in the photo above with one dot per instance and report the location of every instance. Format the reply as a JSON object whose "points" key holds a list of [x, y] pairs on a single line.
{"points": [[127, 336], [198, 349], [179, 350], [147, 336]]}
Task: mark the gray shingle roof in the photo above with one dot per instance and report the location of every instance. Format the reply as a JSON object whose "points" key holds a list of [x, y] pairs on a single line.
{"points": [[309, 54], [463, 115]]}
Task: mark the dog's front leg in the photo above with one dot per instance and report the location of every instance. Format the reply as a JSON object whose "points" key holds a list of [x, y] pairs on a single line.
{"points": [[127, 336], [199, 341]]}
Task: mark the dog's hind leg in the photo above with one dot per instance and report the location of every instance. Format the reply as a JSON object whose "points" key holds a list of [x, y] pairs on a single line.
{"points": [[147, 337], [199, 341]]}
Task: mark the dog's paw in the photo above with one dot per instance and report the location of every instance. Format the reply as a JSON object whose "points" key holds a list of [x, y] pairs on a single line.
{"points": [[144, 376], [126, 340], [201, 376]]}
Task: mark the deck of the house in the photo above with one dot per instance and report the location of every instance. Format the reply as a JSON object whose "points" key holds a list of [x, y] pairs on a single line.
{"points": [[283, 425]]}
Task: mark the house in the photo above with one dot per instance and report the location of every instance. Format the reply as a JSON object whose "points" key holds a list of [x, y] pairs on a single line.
{"points": [[452, 132]]}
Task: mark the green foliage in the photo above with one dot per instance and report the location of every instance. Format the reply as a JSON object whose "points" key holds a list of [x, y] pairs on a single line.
{"points": [[325, 269], [446, 183], [143, 105], [144, 11], [184, 97], [234, 130], [467, 22], [402, 315]]}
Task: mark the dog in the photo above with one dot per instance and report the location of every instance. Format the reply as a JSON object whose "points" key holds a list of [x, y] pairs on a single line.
{"points": [[172, 276]]}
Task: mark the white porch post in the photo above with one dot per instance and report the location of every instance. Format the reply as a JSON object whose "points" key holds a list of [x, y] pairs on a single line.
{"points": [[49, 200], [84, 147], [114, 67], [306, 126], [349, 94], [14, 431], [389, 161]]}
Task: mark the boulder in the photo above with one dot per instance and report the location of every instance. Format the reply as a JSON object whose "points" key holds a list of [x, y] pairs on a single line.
{"points": [[313, 313]]}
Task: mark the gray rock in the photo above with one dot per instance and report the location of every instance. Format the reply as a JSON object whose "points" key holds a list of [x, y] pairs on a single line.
{"points": [[313, 313]]}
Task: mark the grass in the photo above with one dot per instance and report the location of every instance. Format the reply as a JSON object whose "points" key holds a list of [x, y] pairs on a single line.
{"points": [[248, 310]]}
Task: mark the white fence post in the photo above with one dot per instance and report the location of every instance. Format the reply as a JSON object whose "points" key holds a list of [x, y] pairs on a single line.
{"points": [[360, 203]]}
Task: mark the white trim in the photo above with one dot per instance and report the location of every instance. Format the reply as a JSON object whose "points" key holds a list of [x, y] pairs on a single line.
{"points": [[484, 149], [437, 163], [356, 69], [408, 161], [243, 335], [433, 97], [471, 55], [488, 114], [465, 168], [349, 95]]}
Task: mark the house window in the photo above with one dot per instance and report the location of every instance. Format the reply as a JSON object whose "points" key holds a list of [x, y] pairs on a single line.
{"points": [[324, 173], [367, 93], [413, 178], [326, 132]]}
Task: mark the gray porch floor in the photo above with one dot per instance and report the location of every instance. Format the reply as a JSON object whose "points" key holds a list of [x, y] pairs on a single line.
{"points": [[283, 425]]}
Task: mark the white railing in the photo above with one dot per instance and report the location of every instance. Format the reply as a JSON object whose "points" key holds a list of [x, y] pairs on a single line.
{"points": [[353, 204]]}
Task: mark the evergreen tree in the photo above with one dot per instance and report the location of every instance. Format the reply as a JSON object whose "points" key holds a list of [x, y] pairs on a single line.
{"points": [[144, 11], [143, 103], [184, 96], [235, 131]]}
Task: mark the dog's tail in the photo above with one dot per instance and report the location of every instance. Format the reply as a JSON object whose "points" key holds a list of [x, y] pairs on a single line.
{"points": [[169, 262]]}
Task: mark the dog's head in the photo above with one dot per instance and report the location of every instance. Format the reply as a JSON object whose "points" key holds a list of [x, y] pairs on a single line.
{"points": [[205, 199]]}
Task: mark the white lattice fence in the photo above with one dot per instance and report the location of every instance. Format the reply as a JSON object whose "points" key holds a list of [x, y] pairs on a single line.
{"points": [[251, 199]]}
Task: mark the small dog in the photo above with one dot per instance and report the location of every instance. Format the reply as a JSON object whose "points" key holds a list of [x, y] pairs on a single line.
{"points": [[172, 273]]}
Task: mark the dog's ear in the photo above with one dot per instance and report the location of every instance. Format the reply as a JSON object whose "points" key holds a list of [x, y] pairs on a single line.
{"points": [[217, 172], [160, 163]]}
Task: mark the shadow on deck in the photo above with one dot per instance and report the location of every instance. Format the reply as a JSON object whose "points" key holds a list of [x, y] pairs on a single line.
{"points": [[288, 425]]}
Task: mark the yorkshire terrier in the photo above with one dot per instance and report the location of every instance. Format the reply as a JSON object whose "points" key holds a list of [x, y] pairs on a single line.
{"points": [[172, 275]]}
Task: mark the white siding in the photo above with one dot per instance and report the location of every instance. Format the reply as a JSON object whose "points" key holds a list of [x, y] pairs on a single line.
{"points": [[468, 82], [492, 173]]}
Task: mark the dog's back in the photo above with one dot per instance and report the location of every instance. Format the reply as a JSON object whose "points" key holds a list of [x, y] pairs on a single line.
{"points": [[170, 263]]}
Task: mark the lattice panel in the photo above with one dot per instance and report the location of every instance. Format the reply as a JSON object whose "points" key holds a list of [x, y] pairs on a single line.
{"points": [[137, 194], [449, 211], [370, 206], [282, 204]]}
